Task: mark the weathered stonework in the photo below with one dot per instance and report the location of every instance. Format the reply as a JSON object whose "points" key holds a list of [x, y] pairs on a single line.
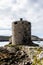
{"points": [[21, 32]]}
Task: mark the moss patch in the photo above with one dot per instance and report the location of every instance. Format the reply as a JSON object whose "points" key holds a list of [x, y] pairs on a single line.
{"points": [[15, 46]]}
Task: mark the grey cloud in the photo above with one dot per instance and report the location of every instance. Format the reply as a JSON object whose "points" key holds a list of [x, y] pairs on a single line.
{"points": [[32, 11], [14, 1], [33, 1], [5, 11]]}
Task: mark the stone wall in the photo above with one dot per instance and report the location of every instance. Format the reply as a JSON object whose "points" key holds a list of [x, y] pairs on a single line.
{"points": [[21, 32]]}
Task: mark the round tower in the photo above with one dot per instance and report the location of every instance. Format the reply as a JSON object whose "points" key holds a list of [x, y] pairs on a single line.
{"points": [[21, 32]]}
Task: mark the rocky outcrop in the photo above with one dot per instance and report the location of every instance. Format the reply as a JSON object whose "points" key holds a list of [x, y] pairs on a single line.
{"points": [[10, 55]]}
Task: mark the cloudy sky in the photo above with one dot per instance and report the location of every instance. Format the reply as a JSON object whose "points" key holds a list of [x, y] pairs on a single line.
{"points": [[31, 10]]}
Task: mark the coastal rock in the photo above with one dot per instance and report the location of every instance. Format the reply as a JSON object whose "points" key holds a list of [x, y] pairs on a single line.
{"points": [[14, 56]]}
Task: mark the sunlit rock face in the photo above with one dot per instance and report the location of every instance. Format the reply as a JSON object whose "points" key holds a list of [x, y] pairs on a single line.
{"points": [[41, 55]]}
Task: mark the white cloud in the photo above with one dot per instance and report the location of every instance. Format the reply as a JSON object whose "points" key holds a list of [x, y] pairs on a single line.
{"points": [[31, 10], [5, 32]]}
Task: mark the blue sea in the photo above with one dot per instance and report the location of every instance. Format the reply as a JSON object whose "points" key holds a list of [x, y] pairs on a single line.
{"points": [[37, 42], [3, 43], [40, 43]]}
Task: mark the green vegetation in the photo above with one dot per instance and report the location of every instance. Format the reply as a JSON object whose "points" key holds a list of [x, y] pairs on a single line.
{"points": [[15, 46], [35, 57], [34, 53]]}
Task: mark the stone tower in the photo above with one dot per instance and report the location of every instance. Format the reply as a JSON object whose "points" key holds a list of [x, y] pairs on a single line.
{"points": [[21, 32]]}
